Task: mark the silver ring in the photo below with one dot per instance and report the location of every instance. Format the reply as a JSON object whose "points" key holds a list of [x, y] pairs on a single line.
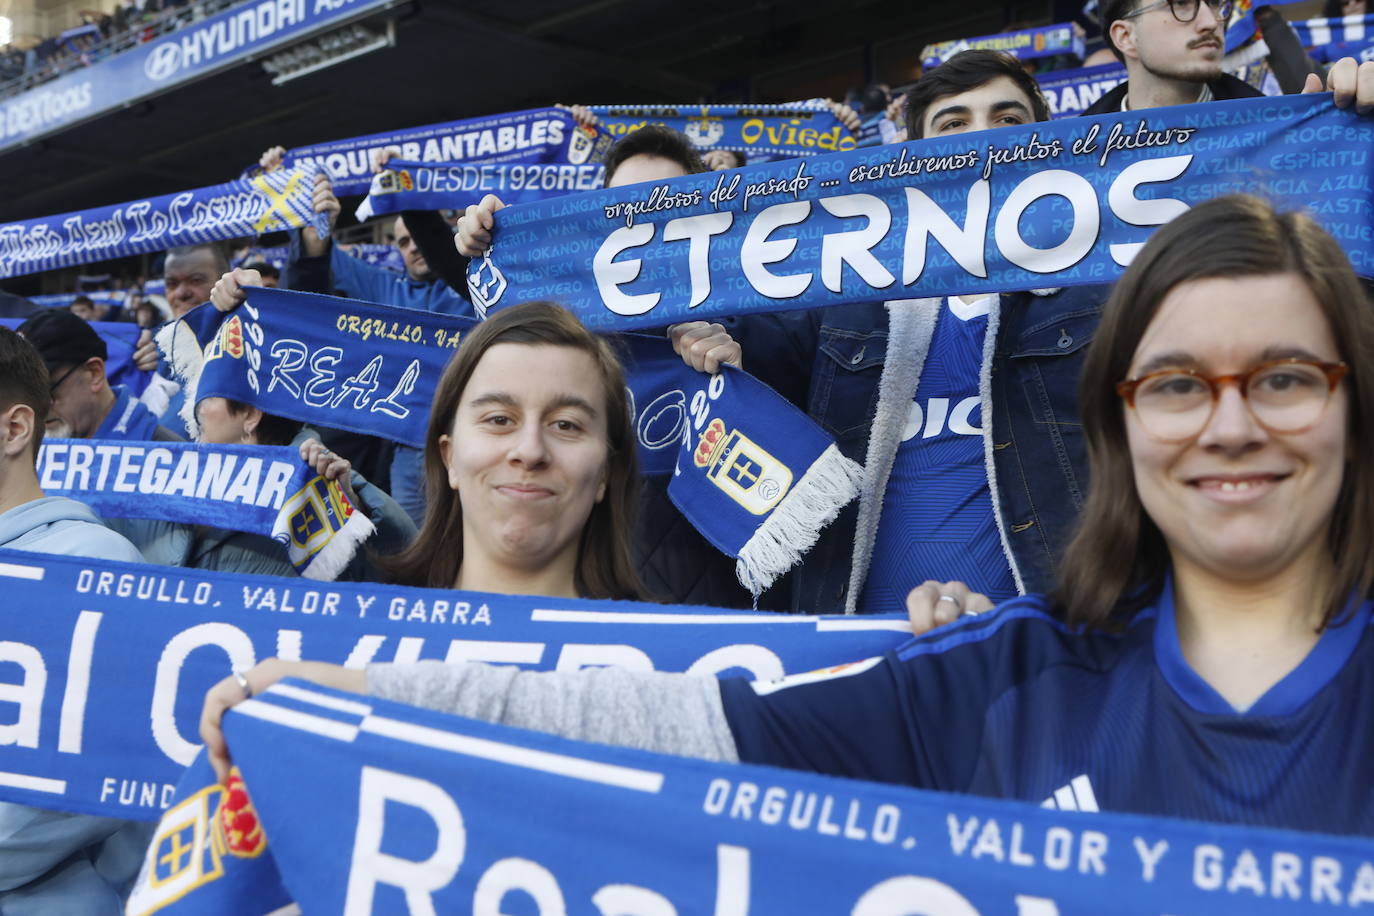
{"points": [[243, 682], [953, 599]]}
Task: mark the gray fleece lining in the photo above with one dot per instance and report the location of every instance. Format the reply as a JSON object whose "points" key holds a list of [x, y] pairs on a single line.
{"points": [[648, 710]]}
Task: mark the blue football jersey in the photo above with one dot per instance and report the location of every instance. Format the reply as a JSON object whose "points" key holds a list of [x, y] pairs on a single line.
{"points": [[937, 520], [1014, 704]]}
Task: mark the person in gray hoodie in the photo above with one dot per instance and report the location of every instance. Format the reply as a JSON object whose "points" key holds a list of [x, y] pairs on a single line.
{"points": [[52, 862]]}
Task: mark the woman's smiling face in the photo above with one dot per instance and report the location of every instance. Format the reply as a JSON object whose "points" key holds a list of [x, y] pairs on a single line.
{"points": [[528, 453], [1239, 499]]}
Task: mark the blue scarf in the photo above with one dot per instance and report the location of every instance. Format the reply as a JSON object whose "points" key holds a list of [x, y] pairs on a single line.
{"points": [[757, 477], [1317, 32], [345, 803], [538, 137], [260, 489], [795, 129], [858, 226], [137, 646], [256, 203], [371, 368], [1072, 92], [405, 185], [1023, 44], [1242, 26]]}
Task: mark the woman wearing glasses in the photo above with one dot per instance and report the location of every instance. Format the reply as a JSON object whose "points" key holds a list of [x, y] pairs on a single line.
{"points": [[1208, 653]]}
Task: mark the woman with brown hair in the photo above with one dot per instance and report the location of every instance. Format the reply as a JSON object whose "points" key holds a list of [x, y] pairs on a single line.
{"points": [[530, 465], [1208, 652]]}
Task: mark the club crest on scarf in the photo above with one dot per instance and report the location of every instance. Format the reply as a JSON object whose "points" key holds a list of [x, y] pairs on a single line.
{"points": [[705, 131], [741, 469], [195, 844]]}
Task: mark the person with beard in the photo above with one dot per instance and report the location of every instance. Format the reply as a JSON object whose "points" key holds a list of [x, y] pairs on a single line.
{"points": [[1173, 49], [84, 404]]}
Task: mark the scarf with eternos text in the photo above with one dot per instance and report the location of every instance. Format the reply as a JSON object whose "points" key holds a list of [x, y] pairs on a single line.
{"points": [[256, 203], [1057, 203], [112, 673], [259, 489], [513, 145], [347, 364], [352, 804]]}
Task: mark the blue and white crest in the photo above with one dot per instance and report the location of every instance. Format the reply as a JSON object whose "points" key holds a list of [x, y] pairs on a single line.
{"points": [[487, 284]]}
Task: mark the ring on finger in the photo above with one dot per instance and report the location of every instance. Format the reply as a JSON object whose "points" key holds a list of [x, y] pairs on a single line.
{"points": [[954, 600]]}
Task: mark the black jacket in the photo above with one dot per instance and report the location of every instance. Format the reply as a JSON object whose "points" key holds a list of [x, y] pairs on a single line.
{"points": [[1224, 87]]}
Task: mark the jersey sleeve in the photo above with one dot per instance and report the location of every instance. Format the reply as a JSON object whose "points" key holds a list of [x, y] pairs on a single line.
{"points": [[916, 716]]}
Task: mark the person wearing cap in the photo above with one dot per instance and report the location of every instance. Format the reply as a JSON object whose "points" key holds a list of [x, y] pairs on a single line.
{"points": [[84, 404]]}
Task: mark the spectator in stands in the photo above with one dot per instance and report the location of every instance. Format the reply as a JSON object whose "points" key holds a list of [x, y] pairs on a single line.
{"points": [[52, 862], [83, 404], [271, 277], [1341, 8], [672, 557], [84, 307]]}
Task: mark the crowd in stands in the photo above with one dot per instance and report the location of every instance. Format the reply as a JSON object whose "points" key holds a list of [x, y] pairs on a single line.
{"points": [[96, 37], [1172, 529]]}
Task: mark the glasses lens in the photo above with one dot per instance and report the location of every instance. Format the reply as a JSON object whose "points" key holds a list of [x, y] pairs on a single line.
{"points": [[1288, 396], [1173, 405], [1184, 10]]}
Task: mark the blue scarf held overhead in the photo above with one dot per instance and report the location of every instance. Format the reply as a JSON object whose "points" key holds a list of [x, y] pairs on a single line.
{"points": [[541, 137], [369, 368], [793, 129], [256, 203], [1072, 92], [353, 804], [108, 718], [405, 185], [1314, 33], [1023, 44], [1059, 203], [260, 489]]}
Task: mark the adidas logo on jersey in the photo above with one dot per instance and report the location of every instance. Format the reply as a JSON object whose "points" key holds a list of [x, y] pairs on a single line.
{"points": [[1076, 796]]}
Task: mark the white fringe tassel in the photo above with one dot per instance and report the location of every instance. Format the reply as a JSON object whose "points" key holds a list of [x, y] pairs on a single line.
{"points": [[179, 344], [331, 559], [829, 485]]}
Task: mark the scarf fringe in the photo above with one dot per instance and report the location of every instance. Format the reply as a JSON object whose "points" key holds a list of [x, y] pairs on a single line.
{"points": [[829, 485], [178, 343]]}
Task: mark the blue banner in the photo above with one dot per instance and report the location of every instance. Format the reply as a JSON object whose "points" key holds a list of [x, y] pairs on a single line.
{"points": [[373, 368], [264, 490], [497, 145], [1072, 92], [191, 52], [1059, 203], [406, 185], [367, 806], [106, 664], [796, 129], [256, 203], [1025, 44]]}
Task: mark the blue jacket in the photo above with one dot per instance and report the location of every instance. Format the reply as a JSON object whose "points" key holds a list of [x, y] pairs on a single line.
{"points": [[52, 862], [830, 363]]}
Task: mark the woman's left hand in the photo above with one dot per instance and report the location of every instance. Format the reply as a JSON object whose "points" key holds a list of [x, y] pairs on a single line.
{"points": [[933, 604], [229, 693], [331, 467]]}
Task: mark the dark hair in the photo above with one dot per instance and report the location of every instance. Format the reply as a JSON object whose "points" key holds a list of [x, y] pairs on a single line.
{"points": [[962, 72], [263, 268], [24, 380], [83, 300], [605, 566], [271, 429], [1118, 560], [1110, 11], [181, 251], [876, 98], [1334, 9], [654, 140]]}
